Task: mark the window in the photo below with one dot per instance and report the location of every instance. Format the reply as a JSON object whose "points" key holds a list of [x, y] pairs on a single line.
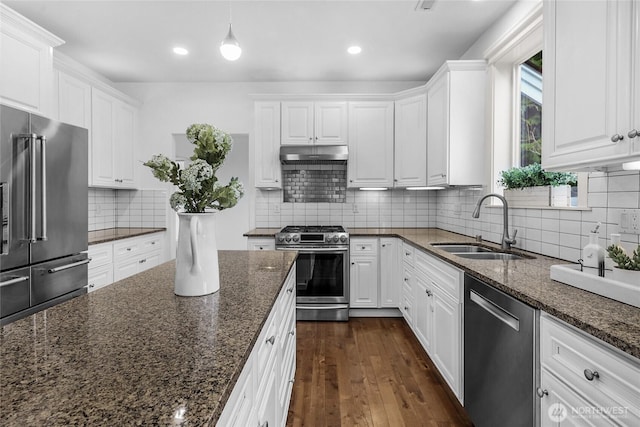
{"points": [[530, 141]]}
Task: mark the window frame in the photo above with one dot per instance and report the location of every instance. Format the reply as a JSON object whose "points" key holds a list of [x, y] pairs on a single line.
{"points": [[504, 57]]}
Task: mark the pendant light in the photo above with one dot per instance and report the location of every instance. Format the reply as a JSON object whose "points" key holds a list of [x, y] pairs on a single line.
{"points": [[230, 48]]}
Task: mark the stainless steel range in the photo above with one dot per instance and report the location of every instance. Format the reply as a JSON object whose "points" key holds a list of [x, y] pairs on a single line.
{"points": [[322, 275]]}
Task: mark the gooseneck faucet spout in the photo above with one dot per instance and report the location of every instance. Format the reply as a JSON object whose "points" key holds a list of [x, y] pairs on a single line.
{"points": [[506, 240]]}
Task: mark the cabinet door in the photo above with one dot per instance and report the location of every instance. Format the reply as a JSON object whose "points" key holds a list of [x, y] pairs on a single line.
{"points": [[261, 244], [390, 275], [584, 108], [364, 281], [564, 407], [423, 295], [99, 277], [370, 144], [124, 144], [447, 337], [297, 123], [268, 411], [411, 142], [267, 144], [438, 131], [330, 124], [124, 269], [102, 139], [74, 101]]}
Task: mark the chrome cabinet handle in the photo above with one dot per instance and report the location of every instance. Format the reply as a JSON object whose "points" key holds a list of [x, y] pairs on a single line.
{"points": [[290, 290], [406, 279], [271, 339], [291, 332], [541, 393], [429, 293], [443, 175], [590, 375], [265, 424], [633, 133], [617, 137]]}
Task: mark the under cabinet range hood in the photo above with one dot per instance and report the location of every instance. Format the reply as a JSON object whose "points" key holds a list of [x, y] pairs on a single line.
{"points": [[313, 154]]}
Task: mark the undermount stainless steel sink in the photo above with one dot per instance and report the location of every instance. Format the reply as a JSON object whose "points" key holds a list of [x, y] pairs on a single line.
{"points": [[489, 255], [461, 247], [474, 251]]}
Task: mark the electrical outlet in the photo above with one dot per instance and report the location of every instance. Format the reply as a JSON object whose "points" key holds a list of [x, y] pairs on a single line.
{"points": [[355, 208], [630, 221], [276, 209]]}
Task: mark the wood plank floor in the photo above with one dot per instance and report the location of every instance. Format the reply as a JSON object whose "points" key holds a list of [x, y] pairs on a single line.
{"points": [[367, 372]]}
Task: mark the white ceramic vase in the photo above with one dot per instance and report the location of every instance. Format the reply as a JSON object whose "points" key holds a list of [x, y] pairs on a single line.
{"points": [[197, 270]]}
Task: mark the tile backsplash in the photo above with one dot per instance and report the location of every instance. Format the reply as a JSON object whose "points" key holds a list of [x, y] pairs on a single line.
{"points": [[314, 183], [392, 208], [109, 208], [560, 233]]}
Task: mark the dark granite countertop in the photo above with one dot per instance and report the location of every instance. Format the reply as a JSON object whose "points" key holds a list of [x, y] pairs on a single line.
{"points": [[262, 232], [133, 353], [529, 281], [111, 234]]}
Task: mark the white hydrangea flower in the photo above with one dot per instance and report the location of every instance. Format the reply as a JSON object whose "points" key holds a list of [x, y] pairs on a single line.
{"points": [[195, 174], [177, 201]]}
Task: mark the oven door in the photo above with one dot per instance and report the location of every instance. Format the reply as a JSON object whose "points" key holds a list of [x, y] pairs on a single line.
{"points": [[322, 275]]}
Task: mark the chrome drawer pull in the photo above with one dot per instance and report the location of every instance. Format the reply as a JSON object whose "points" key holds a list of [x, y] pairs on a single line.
{"points": [[14, 280], [590, 375], [67, 266], [541, 393], [271, 339]]}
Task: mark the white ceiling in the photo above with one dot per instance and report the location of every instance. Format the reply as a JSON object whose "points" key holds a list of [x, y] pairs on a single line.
{"points": [[131, 41]]}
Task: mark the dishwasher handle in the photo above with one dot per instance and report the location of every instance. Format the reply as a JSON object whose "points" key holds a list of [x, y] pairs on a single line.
{"points": [[495, 310]]}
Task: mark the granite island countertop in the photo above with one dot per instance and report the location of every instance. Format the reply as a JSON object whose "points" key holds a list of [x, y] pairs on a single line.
{"points": [[133, 353], [528, 280]]}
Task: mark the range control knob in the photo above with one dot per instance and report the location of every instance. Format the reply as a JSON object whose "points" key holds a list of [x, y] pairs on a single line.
{"points": [[280, 238], [295, 238], [288, 238], [343, 238], [335, 239], [328, 239]]}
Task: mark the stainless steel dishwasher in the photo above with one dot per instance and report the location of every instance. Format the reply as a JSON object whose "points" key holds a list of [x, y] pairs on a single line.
{"points": [[500, 357]]}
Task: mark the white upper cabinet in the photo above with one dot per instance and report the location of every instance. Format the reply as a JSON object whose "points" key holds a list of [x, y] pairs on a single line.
{"points": [[411, 142], [590, 116], [455, 124], [267, 144], [74, 101], [113, 130], [26, 63], [308, 122], [370, 144]]}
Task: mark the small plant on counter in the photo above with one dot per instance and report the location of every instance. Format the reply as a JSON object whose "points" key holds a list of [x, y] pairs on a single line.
{"points": [[624, 261], [198, 187], [534, 176]]}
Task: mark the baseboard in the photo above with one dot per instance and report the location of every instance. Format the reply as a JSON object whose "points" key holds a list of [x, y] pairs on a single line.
{"points": [[374, 312]]}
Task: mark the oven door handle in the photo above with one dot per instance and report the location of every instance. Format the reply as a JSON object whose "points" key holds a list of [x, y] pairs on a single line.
{"points": [[321, 307], [313, 250]]}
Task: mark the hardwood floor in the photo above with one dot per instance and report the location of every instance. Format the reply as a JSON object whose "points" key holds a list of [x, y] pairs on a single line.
{"points": [[367, 372]]}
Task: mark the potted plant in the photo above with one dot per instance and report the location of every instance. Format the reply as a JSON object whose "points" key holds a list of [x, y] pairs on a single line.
{"points": [[533, 186], [198, 197], [627, 268]]}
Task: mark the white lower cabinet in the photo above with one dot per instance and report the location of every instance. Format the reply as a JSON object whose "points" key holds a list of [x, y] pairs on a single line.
{"points": [[584, 381], [261, 244], [446, 339], [423, 318], [390, 273], [113, 261], [262, 394], [363, 291]]}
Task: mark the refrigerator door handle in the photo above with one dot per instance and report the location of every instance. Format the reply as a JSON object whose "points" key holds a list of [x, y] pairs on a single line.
{"points": [[14, 280], [32, 185], [4, 217], [43, 187], [68, 266]]}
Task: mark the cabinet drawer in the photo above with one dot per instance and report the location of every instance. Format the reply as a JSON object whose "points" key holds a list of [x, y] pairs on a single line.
{"points": [[266, 343], [407, 279], [127, 248], [266, 244], [440, 274], [99, 277], [575, 357], [152, 242], [364, 246], [408, 254], [101, 254]]}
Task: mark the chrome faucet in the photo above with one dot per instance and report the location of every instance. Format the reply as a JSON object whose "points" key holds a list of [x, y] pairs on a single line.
{"points": [[506, 240]]}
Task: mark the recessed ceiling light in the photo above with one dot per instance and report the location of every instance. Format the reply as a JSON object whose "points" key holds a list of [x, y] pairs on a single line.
{"points": [[354, 50], [180, 51]]}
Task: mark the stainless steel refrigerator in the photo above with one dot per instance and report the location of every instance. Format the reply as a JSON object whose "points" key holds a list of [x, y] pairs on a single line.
{"points": [[43, 204]]}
